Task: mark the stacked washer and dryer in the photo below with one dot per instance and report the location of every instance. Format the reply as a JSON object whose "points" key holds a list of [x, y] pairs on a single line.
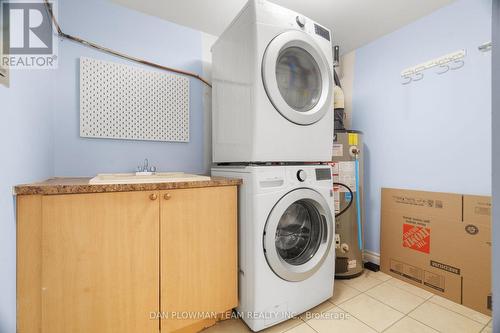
{"points": [[273, 127]]}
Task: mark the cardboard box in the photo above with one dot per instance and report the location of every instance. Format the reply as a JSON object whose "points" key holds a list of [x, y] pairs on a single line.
{"points": [[440, 242]]}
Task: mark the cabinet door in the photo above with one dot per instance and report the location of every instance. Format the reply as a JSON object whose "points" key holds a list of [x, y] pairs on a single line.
{"points": [[198, 243], [100, 255]]}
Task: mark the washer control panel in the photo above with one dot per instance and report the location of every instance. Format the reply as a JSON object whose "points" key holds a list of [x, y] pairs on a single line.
{"points": [[308, 175], [301, 175], [323, 174], [301, 21]]}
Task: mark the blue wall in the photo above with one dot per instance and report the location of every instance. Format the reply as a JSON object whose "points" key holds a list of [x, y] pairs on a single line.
{"points": [[139, 35], [437, 123], [27, 155], [434, 134], [39, 133]]}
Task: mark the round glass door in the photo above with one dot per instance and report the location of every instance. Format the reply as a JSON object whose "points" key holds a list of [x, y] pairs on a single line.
{"points": [[298, 234], [297, 78]]}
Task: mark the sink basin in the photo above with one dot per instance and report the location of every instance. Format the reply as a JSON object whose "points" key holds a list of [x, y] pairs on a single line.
{"points": [[159, 177]]}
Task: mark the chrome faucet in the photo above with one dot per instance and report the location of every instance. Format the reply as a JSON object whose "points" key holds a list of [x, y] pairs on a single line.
{"points": [[145, 168]]}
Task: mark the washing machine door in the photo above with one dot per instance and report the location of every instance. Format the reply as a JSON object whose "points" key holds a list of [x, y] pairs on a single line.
{"points": [[298, 234], [297, 77]]}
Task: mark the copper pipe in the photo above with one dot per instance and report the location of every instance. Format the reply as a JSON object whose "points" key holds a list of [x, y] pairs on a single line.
{"points": [[116, 53]]}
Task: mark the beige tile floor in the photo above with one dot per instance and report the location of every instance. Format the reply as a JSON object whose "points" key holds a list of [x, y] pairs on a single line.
{"points": [[375, 302]]}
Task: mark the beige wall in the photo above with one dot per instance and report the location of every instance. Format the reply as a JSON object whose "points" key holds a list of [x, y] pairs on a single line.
{"points": [[346, 75], [207, 41]]}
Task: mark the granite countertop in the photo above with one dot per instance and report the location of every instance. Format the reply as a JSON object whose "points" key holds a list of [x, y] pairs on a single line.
{"points": [[81, 185]]}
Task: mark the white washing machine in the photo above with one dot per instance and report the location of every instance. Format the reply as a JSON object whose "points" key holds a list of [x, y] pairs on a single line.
{"points": [[272, 73], [286, 227]]}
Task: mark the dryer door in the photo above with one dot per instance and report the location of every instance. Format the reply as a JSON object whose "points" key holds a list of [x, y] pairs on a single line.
{"points": [[298, 234], [297, 78]]}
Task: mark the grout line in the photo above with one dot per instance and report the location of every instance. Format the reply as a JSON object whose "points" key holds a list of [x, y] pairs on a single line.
{"points": [[394, 308], [311, 327], [435, 329], [373, 328], [414, 294], [424, 300], [360, 292], [408, 315], [458, 313], [394, 323], [378, 284], [305, 322], [328, 300], [398, 310], [385, 280], [404, 315], [290, 328]]}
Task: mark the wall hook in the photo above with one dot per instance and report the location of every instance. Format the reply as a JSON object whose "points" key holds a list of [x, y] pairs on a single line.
{"points": [[446, 69], [407, 78], [460, 62], [418, 76], [442, 64], [485, 47]]}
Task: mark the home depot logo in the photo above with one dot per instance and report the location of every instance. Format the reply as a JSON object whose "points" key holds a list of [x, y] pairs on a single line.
{"points": [[417, 238]]}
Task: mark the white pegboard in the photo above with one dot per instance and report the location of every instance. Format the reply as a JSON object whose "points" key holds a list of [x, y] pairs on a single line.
{"points": [[125, 102]]}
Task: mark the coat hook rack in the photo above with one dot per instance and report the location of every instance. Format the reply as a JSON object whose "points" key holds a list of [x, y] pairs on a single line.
{"points": [[451, 61]]}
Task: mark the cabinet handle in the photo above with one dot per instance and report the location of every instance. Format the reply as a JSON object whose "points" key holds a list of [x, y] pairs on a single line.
{"points": [[153, 196], [167, 196]]}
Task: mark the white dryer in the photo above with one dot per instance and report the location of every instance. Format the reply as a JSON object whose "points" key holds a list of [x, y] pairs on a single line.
{"points": [[272, 73], [286, 227]]}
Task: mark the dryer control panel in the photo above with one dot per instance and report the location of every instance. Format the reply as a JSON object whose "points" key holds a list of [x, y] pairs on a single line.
{"points": [[320, 31]]}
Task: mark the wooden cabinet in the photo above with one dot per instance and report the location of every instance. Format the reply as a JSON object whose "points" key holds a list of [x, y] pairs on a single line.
{"points": [[198, 255], [108, 262], [100, 257]]}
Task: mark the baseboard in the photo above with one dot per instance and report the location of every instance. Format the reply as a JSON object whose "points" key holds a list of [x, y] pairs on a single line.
{"points": [[370, 256]]}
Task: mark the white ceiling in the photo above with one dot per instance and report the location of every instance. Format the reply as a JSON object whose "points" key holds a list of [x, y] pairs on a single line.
{"points": [[353, 22]]}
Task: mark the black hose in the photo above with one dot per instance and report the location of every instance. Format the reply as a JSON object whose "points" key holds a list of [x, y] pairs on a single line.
{"points": [[336, 79], [350, 202]]}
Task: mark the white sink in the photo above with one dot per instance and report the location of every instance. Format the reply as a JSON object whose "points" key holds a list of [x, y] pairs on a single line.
{"points": [[159, 177]]}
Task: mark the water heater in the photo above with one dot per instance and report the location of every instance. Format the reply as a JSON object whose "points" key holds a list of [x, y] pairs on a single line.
{"points": [[347, 166]]}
